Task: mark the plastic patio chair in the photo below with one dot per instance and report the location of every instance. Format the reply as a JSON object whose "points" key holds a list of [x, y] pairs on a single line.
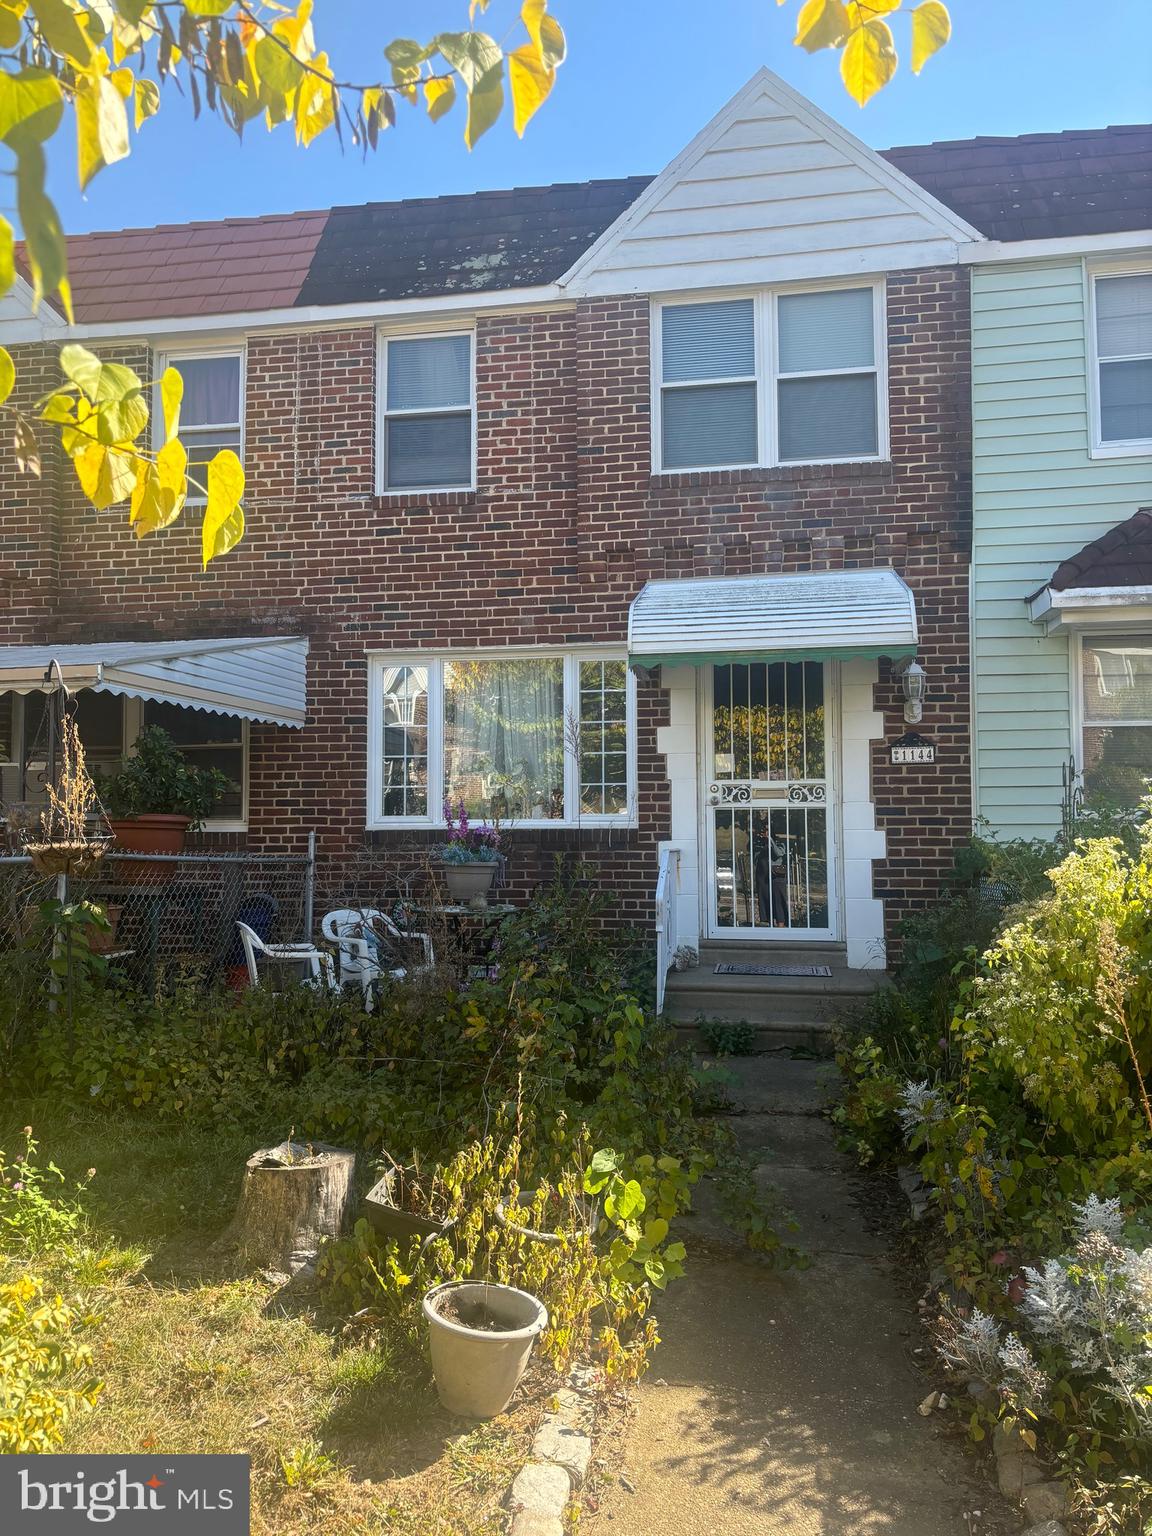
{"points": [[354, 931], [320, 969]]}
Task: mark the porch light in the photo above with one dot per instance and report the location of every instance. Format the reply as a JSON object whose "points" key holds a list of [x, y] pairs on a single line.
{"points": [[915, 682]]}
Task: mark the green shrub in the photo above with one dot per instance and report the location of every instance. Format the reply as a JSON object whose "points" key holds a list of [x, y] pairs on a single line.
{"points": [[33, 1217], [724, 1039], [43, 1366]]}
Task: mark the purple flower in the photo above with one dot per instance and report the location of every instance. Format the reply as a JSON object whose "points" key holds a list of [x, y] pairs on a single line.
{"points": [[17, 1186]]}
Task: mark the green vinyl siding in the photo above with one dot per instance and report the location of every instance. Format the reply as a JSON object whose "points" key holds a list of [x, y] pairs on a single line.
{"points": [[1038, 497]]}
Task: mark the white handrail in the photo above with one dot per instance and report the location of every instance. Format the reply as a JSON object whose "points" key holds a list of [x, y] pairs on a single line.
{"points": [[667, 942]]}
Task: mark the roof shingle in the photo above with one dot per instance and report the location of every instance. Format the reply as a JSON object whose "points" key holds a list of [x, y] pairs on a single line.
{"points": [[1085, 182], [1122, 557]]}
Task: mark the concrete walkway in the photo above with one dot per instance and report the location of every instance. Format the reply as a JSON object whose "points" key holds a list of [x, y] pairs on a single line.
{"points": [[786, 1403]]}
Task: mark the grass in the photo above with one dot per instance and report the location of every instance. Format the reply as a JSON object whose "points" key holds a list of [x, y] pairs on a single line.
{"points": [[343, 1441]]}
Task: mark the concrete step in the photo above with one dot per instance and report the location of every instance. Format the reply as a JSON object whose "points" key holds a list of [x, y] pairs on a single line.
{"points": [[784, 1010]]}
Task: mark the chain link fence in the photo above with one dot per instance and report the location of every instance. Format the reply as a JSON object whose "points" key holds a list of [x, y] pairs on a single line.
{"points": [[167, 915]]}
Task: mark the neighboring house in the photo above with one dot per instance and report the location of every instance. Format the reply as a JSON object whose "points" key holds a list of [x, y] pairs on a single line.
{"points": [[619, 510], [1062, 442]]}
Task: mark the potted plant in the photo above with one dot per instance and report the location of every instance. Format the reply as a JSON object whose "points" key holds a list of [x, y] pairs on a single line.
{"points": [[471, 856], [481, 1336], [72, 838], [157, 796]]}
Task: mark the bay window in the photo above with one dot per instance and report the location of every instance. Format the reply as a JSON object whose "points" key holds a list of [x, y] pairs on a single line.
{"points": [[527, 739], [794, 377], [1122, 333], [1116, 723]]}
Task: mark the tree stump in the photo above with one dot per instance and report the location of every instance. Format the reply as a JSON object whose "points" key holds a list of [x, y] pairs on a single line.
{"points": [[294, 1196]]}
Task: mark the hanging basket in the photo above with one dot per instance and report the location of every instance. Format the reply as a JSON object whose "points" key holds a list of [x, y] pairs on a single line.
{"points": [[76, 859]]}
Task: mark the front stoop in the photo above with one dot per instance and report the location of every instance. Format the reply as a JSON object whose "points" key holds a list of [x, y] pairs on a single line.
{"points": [[784, 1010]]}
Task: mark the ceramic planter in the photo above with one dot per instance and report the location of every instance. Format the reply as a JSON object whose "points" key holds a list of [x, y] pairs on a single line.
{"points": [[150, 834], [466, 882], [478, 1367]]}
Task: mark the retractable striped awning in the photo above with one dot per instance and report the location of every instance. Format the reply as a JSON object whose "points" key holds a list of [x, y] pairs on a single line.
{"points": [[262, 679], [817, 616]]}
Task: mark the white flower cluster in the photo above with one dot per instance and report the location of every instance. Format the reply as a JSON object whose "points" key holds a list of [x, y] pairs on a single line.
{"points": [[1088, 1313]]}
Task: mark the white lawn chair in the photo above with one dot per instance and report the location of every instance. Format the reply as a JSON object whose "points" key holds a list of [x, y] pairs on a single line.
{"points": [[321, 972], [349, 928]]}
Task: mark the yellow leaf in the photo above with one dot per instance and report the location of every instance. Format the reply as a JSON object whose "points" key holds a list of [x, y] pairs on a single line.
{"points": [[61, 30], [822, 24], [315, 103], [44, 241], [861, 11], [545, 31], [7, 256], [223, 519], [7, 374], [868, 61], [101, 126], [931, 29], [147, 94], [31, 106], [171, 395], [124, 81], [439, 96], [530, 83]]}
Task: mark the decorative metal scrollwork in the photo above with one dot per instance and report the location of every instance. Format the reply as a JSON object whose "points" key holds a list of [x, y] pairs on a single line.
{"points": [[807, 794], [731, 794]]}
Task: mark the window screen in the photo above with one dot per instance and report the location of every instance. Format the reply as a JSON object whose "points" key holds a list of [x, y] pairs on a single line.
{"points": [[1117, 694], [428, 412], [1124, 349]]}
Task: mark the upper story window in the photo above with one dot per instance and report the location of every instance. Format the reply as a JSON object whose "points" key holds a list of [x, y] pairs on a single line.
{"points": [[212, 410], [1122, 327], [774, 378], [427, 427], [529, 739]]}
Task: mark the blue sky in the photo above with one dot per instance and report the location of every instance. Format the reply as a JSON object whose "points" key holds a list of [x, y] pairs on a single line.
{"points": [[643, 77]]}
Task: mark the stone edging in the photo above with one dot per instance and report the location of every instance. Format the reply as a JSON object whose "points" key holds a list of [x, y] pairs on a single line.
{"points": [[561, 1454]]}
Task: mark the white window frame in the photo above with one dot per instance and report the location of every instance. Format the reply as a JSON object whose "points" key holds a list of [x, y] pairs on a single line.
{"points": [[381, 662], [768, 374], [1099, 448], [426, 332], [168, 355], [134, 723]]}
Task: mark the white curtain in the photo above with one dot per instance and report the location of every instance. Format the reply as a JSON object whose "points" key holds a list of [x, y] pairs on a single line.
{"points": [[504, 738]]}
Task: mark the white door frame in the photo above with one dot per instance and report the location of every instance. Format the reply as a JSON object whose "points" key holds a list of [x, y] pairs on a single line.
{"points": [[707, 822]]}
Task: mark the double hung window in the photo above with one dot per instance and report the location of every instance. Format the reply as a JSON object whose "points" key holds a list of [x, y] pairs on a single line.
{"points": [[1122, 328], [427, 424], [774, 378], [211, 411]]}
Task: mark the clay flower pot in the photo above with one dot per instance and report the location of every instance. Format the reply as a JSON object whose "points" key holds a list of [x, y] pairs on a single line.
{"points": [[153, 833], [481, 1336]]}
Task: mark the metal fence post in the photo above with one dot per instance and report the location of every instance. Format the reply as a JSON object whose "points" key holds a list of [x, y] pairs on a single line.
{"points": [[310, 886]]}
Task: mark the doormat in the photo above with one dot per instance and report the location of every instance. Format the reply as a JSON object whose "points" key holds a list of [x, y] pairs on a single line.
{"points": [[773, 970]]}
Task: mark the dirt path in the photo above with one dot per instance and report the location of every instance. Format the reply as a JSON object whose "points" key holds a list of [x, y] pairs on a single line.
{"points": [[786, 1403]]}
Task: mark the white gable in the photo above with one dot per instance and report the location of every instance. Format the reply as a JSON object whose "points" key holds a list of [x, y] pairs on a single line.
{"points": [[771, 191]]}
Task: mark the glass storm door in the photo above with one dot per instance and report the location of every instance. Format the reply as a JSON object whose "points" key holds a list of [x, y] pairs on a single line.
{"points": [[768, 802]]}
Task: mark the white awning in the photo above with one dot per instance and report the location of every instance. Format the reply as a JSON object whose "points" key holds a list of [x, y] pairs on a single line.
{"points": [[817, 616], [256, 679], [1076, 608]]}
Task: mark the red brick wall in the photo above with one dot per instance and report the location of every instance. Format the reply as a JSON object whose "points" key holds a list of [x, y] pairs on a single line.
{"points": [[567, 523]]}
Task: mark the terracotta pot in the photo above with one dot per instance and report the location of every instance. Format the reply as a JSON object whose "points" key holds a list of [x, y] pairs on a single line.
{"points": [[149, 834], [102, 941]]}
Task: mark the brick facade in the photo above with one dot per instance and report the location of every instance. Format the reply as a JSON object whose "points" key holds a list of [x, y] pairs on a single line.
{"points": [[567, 524]]}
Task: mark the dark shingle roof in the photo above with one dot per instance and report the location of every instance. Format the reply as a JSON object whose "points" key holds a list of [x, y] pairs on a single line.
{"points": [[1122, 557], [1085, 182], [485, 240], [1090, 181]]}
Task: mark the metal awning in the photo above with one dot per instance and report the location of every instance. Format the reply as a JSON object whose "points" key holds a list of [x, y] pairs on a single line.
{"points": [[256, 679], [817, 616]]}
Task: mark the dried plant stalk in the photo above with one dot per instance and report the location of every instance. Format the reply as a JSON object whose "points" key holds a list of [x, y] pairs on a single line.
{"points": [[72, 800]]}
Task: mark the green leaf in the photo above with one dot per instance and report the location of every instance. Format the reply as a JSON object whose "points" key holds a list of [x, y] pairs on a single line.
{"points": [[44, 240], [479, 61], [101, 127], [655, 1232], [278, 71], [675, 1253], [931, 29], [631, 1201], [7, 374], [654, 1269], [147, 99], [31, 106], [223, 518], [60, 29], [11, 27]]}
